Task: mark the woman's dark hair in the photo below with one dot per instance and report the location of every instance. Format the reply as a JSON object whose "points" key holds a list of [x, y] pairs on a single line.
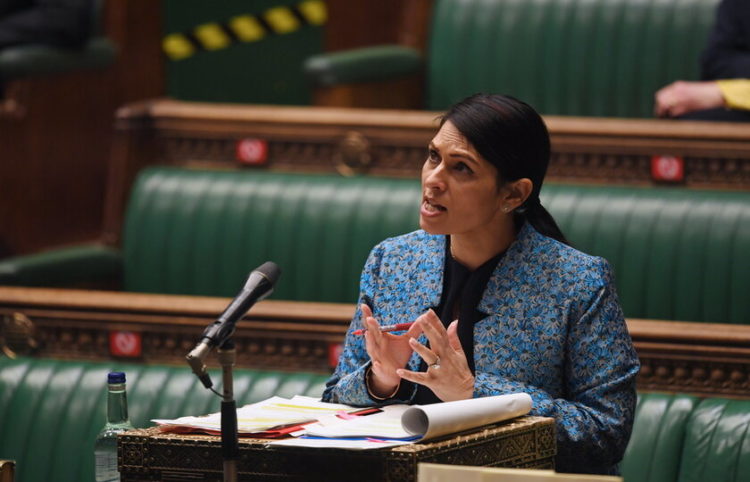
{"points": [[512, 136]]}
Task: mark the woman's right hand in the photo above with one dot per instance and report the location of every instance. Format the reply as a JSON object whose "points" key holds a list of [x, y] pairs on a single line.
{"points": [[388, 353]]}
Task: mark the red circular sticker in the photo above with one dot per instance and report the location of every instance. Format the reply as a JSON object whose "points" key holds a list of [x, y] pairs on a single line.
{"points": [[252, 151], [125, 343], [667, 168]]}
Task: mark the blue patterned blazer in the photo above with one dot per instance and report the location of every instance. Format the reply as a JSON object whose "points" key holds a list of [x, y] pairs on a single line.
{"points": [[554, 329]]}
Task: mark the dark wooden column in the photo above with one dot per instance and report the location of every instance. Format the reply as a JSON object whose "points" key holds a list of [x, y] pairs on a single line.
{"points": [[55, 141], [353, 25]]}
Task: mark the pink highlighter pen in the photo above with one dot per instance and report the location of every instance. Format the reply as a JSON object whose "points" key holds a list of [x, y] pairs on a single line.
{"points": [[384, 329]]}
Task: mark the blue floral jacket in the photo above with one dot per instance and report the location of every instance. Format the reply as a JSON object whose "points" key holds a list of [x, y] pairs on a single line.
{"points": [[554, 330]]}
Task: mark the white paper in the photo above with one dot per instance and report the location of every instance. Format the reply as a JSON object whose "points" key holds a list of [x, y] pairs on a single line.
{"points": [[386, 424], [264, 415], [420, 422], [394, 425], [430, 421]]}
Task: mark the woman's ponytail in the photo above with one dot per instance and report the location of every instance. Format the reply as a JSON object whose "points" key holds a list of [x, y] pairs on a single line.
{"points": [[533, 212], [512, 136]]}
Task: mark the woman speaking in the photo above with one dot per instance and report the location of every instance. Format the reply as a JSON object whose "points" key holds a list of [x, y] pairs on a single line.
{"points": [[500, 302]]}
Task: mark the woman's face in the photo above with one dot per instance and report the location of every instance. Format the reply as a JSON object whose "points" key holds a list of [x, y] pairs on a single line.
{"points": [[460, 195]]}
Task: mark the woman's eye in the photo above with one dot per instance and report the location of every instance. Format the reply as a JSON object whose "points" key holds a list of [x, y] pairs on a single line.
{"points": [[463, 167]]}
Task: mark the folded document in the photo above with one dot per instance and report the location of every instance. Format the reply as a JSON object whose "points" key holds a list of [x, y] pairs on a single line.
{"points": [[319, 424]]}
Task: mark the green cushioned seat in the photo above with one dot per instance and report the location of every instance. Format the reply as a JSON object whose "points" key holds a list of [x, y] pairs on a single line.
{"points": [[574, 57], [202, 232], [564, 57], [678, 254], [52, 410], [655, 448], [717, 442]]}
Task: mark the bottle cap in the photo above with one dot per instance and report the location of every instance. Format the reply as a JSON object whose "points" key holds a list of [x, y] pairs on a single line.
{"points": [[116, 377]]}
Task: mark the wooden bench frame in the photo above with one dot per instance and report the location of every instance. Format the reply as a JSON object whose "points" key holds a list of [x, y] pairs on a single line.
{"points": [[393, 143], [699, 358]]}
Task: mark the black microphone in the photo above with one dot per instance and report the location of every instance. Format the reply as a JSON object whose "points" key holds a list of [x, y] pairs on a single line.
{"points": [[258, 286]]}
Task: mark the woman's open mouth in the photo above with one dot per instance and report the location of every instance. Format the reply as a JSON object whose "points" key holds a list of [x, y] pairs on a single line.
{"points": [[431, 208]]}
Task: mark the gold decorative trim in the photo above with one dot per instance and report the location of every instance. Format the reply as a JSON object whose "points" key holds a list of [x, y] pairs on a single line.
{"points": [[352, 155], [17, 335]]}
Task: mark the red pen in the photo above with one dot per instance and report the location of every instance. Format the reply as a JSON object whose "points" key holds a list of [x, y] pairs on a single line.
{"points": [[384, 329]]}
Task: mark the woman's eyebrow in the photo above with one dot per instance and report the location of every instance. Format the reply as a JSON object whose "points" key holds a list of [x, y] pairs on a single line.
{"points": [[468, 157]]}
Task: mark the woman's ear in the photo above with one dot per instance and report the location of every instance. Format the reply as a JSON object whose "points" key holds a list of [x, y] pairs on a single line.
{"points": [[516, 193]]}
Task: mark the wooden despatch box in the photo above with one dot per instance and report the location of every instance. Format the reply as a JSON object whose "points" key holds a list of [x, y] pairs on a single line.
{"points": [[149, 455]]}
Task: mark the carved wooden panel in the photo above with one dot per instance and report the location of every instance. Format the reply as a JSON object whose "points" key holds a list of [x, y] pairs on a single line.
{"points": [[147, 454], [80, 324], [393, 143], [699, 358]]}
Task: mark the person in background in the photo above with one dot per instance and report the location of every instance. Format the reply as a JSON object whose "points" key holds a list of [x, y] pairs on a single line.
{"points": [[501, 302], [61, 23], [724, 93], [64, 23]]}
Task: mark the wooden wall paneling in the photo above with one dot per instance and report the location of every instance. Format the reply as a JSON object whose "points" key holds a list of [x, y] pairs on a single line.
{"points": [[393, 143], [56, 148], [311, 139], [352, 25], [706, 359], [77, 324]]}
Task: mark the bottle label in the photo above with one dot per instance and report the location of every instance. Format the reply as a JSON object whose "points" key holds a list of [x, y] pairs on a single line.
{"points": [[106, 466]]}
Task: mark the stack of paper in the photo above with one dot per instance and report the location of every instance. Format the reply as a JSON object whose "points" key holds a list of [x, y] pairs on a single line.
{"points": [[318, 424], [269, 418]]}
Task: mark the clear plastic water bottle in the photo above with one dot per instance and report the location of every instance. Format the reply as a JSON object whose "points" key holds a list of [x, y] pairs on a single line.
{"points": [[105, 447]]}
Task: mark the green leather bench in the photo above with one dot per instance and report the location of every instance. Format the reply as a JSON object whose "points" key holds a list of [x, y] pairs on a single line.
{"points": [[678, 254], [52, 410], [581, 58], [680, 437]]}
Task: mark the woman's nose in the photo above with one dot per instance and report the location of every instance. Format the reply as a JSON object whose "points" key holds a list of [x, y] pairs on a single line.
{"points": [[434, 178]]}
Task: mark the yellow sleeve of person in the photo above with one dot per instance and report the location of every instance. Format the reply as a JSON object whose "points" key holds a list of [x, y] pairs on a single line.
{"points": [[736, 93]]}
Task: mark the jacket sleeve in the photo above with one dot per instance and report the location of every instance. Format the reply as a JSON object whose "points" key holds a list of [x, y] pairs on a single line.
{"points": [[727, 54], [736, 93], [595, 417], [347, 384]]}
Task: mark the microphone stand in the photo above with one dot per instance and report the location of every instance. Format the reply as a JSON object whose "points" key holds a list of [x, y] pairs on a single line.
{"points": [[229, 442], [258, 285]]}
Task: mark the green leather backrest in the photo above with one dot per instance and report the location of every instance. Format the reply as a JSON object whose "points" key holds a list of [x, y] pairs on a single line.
{"points": [[655, 448], [52, 410], [717, 442], [677, 253], [566, 57], [202, 232]]}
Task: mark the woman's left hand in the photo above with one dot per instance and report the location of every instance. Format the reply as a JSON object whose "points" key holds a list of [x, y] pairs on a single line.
{"points": [[448, 374]]}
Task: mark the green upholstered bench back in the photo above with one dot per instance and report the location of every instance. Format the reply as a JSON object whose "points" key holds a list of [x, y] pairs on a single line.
{"points": [[52, 410], [202, 232], [678, 254], [717, 442], [655, 448], [565, 57], [680, 437]]}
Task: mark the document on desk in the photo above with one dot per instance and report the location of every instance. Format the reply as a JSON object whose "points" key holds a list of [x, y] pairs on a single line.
{"points": [[260, 418], [402, 424]]}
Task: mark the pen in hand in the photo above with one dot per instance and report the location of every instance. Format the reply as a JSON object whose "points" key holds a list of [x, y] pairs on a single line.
{"points": [[384, 329]]}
